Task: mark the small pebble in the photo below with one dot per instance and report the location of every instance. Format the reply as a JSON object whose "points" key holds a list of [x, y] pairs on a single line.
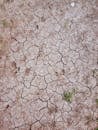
{"points": [[72, 4]]}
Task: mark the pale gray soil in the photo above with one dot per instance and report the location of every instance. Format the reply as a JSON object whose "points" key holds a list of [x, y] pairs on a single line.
{"points": [[48, 64]]}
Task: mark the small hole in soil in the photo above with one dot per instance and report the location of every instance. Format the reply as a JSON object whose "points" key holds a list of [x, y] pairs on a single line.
{"points": [[9, 1], [37, 26], [7, 106]]}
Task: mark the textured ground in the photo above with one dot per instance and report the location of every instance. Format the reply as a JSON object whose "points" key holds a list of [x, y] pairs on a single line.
{"points": [[48, 65]]}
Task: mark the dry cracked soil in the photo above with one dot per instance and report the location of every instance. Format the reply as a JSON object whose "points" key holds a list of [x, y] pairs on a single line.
{"points": [[48, 64]]}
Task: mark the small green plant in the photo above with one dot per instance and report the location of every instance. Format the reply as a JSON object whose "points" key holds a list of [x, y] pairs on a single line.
{"points": [[95, 73], [67, 96], [97, 101], [66, 24], [5, 23], [96, 119], [96, 129]]}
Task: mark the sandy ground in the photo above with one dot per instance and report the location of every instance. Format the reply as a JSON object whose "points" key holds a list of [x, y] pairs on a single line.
{"points": [[48, 64]]}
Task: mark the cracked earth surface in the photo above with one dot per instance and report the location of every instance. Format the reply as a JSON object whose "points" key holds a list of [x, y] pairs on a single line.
{"points": [[48, 49]]}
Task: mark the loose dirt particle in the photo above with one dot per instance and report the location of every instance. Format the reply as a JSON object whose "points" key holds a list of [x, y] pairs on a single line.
{"points": [[14, 65], [27, 71], [52, 110]]}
